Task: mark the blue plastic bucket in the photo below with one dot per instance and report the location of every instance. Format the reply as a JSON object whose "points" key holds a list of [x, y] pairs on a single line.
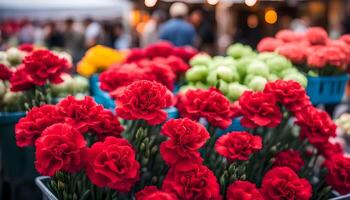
{"points": [[235, 126], [326, 89]]}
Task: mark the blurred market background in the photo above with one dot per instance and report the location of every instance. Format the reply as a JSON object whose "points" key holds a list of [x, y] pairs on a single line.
{"points": [[77, 25]]}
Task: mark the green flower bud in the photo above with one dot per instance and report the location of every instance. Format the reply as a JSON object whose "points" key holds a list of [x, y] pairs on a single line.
{"points": [[242, 65], [184, 89], [80, 84], [264, 56], [288, 71], [239, 50], [258, 68], [201, 59], [2, 88], [278, 63], [223, 87], [298, 77], [12, 98], [273, 77], [225, 73], [15, 56], [64, 88], [197, 73], [212, 78], [257, 83], [235, 90]]}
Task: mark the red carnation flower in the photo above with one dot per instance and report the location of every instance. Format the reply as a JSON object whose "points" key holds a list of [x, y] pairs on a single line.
{"points": [[329, 150], [290, 93], [108, 125], [345, 38], [185, 53], [186, 138], [269, 44], [30, 127], [238, 145], [243, 190], [335, 56], [317, 57], [316, 125], [81, 114], [159, 49], [338, 168], [293, 51], [144, 100], [210, 104], [287, 36], [121, 75], [153, 193], [317, 36], [112, 164], [259, 109], [192, 182], [20, 80], [284, 183], [59, 148], [177, 65], [135, 55], [5, 72], [289, 158], [42, 66], [27, 47], [159, 72]]}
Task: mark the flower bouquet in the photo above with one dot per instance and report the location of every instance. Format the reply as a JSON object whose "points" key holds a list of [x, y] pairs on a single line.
{"points": [[285, 153], [241, 70], [326, 61], [159, 62], [27, 79]]}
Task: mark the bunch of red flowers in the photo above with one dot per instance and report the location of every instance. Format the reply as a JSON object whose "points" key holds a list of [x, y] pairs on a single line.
{"points": [[159, 62], [39, 68], [185, 158], [313, 48]]}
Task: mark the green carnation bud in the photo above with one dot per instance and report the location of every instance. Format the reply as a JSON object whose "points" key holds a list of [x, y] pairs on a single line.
{"points": [[235, 90], [201, 59], [239, 50], [257, 83], [264, 56], [223, 87], [298, 77], [197, 73], [212, 78], [273, 77], [225, 73], [80, 84], [64, 88], [258, 68], [278, 63]]}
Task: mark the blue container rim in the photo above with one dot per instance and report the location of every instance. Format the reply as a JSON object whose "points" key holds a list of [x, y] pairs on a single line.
{"points": [[11, 117], [337, 77]]}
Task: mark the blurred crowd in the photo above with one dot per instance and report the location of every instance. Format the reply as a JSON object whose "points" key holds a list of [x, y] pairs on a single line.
{"points": [[181, 28]]}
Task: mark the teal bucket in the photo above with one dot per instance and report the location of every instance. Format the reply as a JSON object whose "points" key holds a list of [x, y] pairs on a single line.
{"points": [[16, 164]]}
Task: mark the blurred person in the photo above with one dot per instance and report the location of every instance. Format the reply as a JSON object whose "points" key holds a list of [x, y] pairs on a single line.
{"points": [[93, 33], [73, 40], [53, 37], [177, 30], [26, 33], [122, 40], [150, 32], [204, 30], [300, 25]]}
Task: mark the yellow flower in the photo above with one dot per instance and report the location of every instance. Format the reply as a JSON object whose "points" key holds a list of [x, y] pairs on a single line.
{"points": [[99, 58]]}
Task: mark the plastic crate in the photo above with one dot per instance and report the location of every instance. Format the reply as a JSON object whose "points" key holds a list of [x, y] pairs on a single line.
{"points": [[326, 89], [42, 182]]}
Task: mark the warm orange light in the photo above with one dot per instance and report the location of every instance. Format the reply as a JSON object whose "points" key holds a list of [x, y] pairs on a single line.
{"points": [[271, 16]]}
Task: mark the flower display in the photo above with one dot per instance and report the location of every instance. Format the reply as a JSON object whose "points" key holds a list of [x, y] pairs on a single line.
{"points": [[243, 190], [284, 183], [338, 173], [152, 192], [112, 163], [314, 52], [186, 137], [259, 109], [144, 100], [242, 70], [98, 58], [289, 158], [193, 181], [209, 104], [238, 145], [5, 72], [60, 147]]}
